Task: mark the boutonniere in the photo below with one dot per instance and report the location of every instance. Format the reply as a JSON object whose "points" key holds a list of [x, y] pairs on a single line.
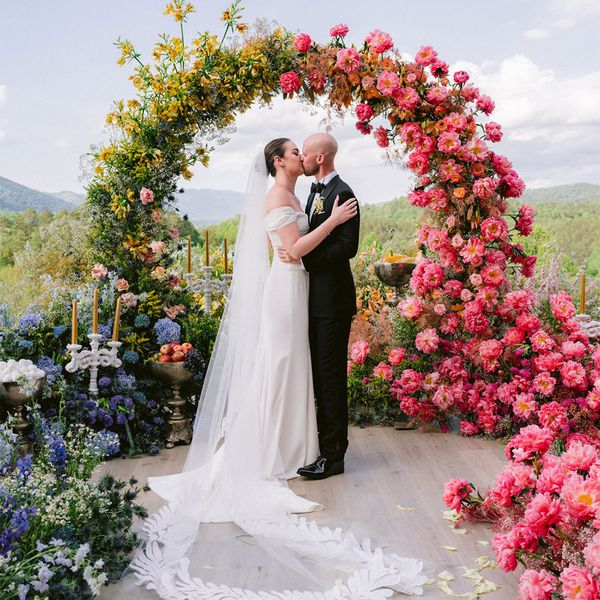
{"points": [[319, 205]]}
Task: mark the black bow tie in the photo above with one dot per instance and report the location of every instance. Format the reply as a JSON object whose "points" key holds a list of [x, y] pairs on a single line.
{"points": [[316, 188]]}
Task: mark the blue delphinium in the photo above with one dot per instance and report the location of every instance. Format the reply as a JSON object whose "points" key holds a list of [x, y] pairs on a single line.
{"points": [[131, 356], [52, 370], [167, 331], [5, 316], [8, 448], [31, 321], [18, 523], [142, 321], [24, 467]]}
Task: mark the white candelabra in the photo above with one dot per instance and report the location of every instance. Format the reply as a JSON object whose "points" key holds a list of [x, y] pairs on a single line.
{"points": [[82, 360], [589, 327], [207, 285]]}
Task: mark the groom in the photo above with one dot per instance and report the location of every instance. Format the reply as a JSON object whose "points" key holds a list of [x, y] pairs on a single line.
{"points": [[332, 304]]}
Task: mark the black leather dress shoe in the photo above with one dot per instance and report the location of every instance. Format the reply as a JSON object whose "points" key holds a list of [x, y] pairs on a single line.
{"points": [[322, 468]]}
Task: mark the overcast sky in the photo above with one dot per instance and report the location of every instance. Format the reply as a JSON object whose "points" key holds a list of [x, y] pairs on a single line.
{"points": [[539, 60]]}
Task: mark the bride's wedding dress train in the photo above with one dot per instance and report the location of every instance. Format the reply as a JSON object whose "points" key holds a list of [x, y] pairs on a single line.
{"points": [[248, 443]]}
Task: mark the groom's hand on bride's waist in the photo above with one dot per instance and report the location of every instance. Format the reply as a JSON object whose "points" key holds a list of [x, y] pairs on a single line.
{"points": [[285, 256]]}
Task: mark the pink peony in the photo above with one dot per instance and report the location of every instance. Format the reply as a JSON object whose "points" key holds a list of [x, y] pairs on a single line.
{"points": [[542, 512], [544, 384], [530, 442], [388, 83], [379, 41], [591, 553], [581, 496], [467, 428], [553, 416], [419, 164], [461, 77], [146, 196], [384, 371], [122, 285], [340, 30], [493, 229], [484, 188], [381, 137], [359, 351], [407, 98], [572, 349], [99, 271], [437, 95], [536, 585], [425, 56], [524, 405], [302, 42], [456, 490], [129, 299], [396, 356], [493, 131], [524, 223], [448, 142], [158, 247], [427, 341], [410, 307], [348, 60], [173, 311], [472, 250], [364, 112], [579, 584], [541, 341], [289, 82], [573, 374], [579, 456], [562, 306], [411, 381], [485, 104]]}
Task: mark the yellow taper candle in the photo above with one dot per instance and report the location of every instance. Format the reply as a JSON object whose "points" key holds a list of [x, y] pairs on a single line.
{"points": [[582, 307], [225, 254], [95, 312], [117, 320], [74, 323], [207, 257], [189, 263]]}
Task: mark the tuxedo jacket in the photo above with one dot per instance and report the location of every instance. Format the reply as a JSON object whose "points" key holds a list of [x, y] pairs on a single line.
{"points": [[332, 293]]}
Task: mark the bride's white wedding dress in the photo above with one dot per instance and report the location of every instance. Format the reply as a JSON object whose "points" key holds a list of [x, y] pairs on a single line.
{"points": [[256, 426]]}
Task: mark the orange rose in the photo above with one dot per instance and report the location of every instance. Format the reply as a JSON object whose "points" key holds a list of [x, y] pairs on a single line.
{"points": [[478, 169], [459, 192]]}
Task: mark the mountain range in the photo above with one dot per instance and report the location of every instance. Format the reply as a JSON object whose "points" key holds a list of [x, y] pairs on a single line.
{"points": [[210, 206]]}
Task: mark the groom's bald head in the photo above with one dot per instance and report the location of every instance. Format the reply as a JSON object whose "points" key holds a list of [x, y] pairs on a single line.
{"points": [[318, 154]]}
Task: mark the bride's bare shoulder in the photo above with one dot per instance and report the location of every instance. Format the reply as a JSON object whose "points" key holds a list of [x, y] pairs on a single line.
{"points": [[276, 198]]}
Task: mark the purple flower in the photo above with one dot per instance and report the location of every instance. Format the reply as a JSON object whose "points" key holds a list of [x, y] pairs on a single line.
{"points": [[104, 381], [31, 321]]}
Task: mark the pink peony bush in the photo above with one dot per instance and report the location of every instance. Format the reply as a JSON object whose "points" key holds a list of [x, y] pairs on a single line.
{"points": [[546, 507]]}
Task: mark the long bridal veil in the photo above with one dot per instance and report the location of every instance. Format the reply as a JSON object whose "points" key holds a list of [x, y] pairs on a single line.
{"points": [[264, 542]]}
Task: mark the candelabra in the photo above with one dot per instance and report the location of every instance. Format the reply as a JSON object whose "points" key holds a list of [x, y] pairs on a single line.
{"points": [[207, 285], [92, 359]]}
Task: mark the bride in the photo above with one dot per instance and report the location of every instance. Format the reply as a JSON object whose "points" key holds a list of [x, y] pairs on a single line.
{"points": [[257, 425]]}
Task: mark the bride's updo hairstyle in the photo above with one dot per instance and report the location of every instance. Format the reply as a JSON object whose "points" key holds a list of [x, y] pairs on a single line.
{"points": [[273, 149]]}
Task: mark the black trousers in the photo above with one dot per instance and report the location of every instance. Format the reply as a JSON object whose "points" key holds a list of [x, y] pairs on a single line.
{"points": [[329, 354]]}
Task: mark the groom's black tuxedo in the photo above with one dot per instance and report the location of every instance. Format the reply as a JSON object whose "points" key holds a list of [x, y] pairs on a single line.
{"points": [[332, 303]]}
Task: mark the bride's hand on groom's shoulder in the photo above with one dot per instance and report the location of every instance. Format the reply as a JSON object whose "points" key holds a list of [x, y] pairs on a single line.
{"points": [[344, 212]]}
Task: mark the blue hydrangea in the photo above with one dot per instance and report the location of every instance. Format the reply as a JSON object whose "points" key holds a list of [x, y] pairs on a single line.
{"points": [[142, 321], [25, 344], [131, 356], [124, 381], [31, 321], [58, 330], [104, 381], [52, 370], [104, 443], [167, 331], [105, 331]]}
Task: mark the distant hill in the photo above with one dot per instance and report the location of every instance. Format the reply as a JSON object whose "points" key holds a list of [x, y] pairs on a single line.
{"points": [[70, 197], [16, 197], [574, 192], [208, 207]]}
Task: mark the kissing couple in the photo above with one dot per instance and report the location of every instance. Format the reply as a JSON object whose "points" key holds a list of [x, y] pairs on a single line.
{"points": [[274, 401]]}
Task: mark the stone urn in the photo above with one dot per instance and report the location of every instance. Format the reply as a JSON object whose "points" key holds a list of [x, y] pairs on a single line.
{"points": [[395, 274], [15, 398], [174, 374]]}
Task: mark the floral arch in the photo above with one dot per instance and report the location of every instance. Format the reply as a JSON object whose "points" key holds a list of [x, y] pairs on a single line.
{"points": [[498, 358]]}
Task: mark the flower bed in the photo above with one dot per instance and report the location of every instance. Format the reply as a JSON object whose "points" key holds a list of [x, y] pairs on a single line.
{"points": [[62, 535]]}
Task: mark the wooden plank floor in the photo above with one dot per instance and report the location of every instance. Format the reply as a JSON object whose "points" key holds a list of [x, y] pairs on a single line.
{"points": [[384, 468]]}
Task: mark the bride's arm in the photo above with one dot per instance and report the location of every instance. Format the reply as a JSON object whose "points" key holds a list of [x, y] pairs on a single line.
{"points": [[298, 246]]}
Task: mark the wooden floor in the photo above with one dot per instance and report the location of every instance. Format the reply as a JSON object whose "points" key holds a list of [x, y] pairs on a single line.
{"points": [[385, 469]]}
